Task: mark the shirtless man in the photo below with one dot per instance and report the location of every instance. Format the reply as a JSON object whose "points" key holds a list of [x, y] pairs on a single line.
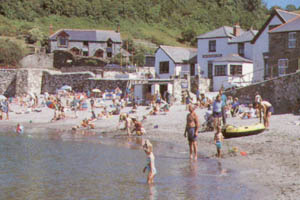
{"points": [[266, 108], [192, 126]]}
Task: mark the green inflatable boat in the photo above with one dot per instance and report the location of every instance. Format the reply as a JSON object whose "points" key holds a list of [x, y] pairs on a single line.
{"points": [[231, 131]]}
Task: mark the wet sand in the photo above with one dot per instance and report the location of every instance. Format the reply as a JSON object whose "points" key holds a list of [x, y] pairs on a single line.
{"points": [[271, 167]]}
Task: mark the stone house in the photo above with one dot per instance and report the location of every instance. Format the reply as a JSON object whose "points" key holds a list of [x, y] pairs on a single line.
{"points": [[171, 62], [261, 40], [98, 43], [284, 45], [221, 43]]}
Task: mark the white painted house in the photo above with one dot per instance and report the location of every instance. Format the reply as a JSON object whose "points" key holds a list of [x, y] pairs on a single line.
{"points": [[174, 61], [261, 42], [232, 70], [221, 44]]}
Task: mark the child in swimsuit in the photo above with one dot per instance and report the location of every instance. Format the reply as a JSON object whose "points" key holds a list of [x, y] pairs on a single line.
{"points": [[150, 166], [218, 141]]}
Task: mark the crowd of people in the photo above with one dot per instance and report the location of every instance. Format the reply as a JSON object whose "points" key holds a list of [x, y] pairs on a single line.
{"points": [[67, 104], [218, 110]]}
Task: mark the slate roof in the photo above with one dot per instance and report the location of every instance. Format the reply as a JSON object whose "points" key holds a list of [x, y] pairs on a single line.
{"points": [[233, 58], [179, 54], [286, 16], [283, 16], [292, 25], [244, 37], [224, 31], [89, 35]]}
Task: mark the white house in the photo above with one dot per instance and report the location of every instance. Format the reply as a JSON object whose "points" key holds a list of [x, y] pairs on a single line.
{"points": [[232, 70], [261, 42], [219, 44], [174, 61]]}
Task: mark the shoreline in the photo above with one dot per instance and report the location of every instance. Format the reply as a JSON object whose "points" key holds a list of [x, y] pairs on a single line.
{"points": [[270, 168]]}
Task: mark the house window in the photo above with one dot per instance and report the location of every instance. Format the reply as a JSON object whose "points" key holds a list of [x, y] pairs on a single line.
{"points": [[241, 49], [62, 41], [212, 46], [109, 54], [266, 68], [192, 70], [236, 70], [164, 67], [85, 43], [282, 66], [220, 70], [292, 40]]}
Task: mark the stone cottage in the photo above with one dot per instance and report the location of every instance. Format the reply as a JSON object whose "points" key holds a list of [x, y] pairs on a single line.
{"points": [[284, 48], [98, 43]]}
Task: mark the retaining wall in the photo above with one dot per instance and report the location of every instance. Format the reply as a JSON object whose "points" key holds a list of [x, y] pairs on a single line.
{"points": [[283, 92]]}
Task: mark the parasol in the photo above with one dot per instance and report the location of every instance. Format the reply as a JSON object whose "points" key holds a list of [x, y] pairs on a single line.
{"points": [[96, 90], [66, 87]]}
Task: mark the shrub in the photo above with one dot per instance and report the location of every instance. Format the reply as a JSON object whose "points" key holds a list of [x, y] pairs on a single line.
{"points": [[10, 53]]}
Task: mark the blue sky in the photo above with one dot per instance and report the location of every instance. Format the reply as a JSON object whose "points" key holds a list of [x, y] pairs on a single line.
{"points": [[282, 3]]}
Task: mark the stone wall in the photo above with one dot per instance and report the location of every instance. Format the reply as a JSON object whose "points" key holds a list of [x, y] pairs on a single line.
{"points": [[51, 81], [282, 92], [40, 61], [8, 82]]}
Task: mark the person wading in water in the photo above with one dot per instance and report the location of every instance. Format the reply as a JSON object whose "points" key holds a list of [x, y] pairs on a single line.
{"points": [[192, 127]]}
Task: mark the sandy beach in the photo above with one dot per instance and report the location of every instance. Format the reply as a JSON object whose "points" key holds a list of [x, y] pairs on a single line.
{"points": [[271, 167]]}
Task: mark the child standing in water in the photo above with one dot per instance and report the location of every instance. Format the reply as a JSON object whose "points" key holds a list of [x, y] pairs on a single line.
{"points": [[218, 141], [150, 167]]}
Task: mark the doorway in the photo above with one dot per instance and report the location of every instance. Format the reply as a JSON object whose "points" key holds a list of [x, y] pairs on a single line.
{"points": [[163, 89]]}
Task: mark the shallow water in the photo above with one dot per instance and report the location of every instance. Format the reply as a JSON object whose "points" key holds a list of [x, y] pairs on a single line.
{"points": [[86, 166]]}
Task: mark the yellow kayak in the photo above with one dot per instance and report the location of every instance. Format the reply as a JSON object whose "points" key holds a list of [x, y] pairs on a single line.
{"points": [[239, 131]]}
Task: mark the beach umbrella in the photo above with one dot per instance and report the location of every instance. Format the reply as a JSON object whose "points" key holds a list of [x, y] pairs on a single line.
{"points": [[2, 97], [50, 104], [96, 90], [66, 87]]}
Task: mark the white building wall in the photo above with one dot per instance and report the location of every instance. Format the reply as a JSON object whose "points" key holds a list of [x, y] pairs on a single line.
{"points": [[228, 81], [138, 92], [222, 48], [249, 50], [161, 56], [262, 45]]}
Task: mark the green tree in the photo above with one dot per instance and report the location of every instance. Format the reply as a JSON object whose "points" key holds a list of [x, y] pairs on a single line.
{"points": [[290, 7], [10, 53]]}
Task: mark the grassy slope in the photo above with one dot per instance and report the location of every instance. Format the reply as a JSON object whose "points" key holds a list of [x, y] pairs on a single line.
{"points": [[156, 33]]}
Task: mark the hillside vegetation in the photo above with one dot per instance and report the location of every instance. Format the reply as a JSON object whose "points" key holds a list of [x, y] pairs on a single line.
{"points": [[170, 22]]}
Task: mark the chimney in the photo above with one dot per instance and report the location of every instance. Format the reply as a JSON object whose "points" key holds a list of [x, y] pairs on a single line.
{"points": [[50, 29], [236, 30]]}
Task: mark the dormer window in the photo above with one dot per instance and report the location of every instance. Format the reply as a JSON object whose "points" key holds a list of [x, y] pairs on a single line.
{"points": [[109, 43], [62, 41]]}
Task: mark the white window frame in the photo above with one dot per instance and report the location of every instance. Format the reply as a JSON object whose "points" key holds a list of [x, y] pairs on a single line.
{"points": [[65, 39], [292, 40], [282, 66], [220, 70]]}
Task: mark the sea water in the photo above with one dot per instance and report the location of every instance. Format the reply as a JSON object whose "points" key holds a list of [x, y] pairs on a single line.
{"points": [[57, 165]]}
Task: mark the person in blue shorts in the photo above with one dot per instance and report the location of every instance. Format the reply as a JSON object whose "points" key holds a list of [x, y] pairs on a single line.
{"points": [[191, 130], [218, 139]]}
